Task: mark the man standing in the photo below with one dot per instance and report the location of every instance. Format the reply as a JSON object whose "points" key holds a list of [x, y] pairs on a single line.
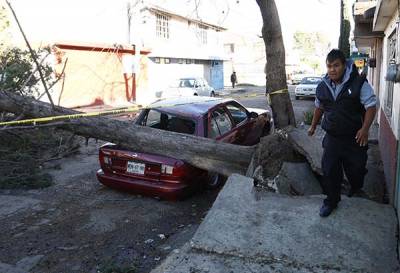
{"points": [[233, 79], [347, 102]]}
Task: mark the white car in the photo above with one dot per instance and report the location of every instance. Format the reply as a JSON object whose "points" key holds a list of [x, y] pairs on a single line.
{"points": [[189, 87], [307, 87]]}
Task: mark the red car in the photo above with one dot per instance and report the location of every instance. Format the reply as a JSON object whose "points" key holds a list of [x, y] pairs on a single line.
{"points": [[225, 120]]}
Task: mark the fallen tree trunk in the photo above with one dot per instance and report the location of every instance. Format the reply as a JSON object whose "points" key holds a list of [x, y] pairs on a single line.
{"points": [[201, 152]]}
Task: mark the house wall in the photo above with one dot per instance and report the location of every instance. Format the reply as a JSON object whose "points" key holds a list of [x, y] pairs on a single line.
{"points": [[182, 44], [394, 119], [164, 75], [388, 148], [95, 78], [389, 124]]}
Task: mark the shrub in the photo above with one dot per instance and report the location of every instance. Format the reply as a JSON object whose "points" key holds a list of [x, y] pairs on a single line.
{"points": [[308, 116]]}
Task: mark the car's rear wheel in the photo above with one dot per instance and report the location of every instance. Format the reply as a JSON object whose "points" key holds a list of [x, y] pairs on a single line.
{"points": [[212, 94], [214, 180], [195, 94], [297, 97]]}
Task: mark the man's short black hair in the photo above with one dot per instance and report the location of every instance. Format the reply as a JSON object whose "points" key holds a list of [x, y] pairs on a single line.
{"points": [[335, 54]]}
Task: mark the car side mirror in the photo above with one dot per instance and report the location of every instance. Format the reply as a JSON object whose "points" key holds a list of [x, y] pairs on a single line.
{"points": [[253, 115]]}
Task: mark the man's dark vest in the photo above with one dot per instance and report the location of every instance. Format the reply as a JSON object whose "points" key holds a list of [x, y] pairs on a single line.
{"points": [[343, 116]]}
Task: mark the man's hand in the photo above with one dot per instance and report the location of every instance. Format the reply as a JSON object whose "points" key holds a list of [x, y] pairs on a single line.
{"points": [[311, 130], [362, 137], [316, 117]]}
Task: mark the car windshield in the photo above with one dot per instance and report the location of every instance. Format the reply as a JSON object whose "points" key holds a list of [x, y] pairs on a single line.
{"points": [[168, 122], [187, 83], [311, 80]]}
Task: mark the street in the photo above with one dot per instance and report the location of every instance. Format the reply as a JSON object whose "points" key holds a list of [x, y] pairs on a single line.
{"points": [[299, 106]]}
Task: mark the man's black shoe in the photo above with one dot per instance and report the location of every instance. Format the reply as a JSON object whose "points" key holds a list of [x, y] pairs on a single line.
{"points": [[326, 210]]}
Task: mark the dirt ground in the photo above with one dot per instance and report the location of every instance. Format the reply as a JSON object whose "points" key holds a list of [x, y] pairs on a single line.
{"points": [[79, 225]]}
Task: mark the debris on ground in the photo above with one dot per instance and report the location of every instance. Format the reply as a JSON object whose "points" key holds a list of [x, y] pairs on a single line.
{"points": [[23, 154]]}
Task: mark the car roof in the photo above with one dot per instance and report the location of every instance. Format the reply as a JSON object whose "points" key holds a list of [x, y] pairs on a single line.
{"points": [[193, 106]]}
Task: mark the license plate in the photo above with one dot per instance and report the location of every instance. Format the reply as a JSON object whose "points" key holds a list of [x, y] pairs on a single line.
{"points": [[134, 167]]}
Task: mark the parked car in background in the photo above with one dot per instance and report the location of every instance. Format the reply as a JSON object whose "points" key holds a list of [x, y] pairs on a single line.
{"points": [[224, 120], [297, 78], [307, 87], [191, 86]]}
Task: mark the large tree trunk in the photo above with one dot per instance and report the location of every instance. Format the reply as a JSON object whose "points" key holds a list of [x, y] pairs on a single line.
{"points": [[275, 67], [203, 153]]}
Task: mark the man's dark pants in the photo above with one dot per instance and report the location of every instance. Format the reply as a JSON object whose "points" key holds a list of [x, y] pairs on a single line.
{"points": [[342, 154]]}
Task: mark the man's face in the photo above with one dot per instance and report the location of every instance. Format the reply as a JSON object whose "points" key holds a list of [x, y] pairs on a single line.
{"points": [[335, 69]]}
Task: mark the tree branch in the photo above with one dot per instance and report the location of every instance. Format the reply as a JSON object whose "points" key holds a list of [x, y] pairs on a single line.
{"points": [[57, 80], [32, 54]]}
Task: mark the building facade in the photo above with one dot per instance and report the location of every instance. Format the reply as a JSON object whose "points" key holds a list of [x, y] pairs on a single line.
{"points": [[377, 33], [180, 47], [176, 44]]}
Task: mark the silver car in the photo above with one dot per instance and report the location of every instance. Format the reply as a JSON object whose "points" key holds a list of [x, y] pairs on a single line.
{"points": [[307, 87], [190, 87]]}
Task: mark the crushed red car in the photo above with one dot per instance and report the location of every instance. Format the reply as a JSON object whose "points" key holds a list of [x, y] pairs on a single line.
{"points": [[160, 176]]}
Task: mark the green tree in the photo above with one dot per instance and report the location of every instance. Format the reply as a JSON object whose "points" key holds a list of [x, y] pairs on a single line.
{"points": [[18, 72], [312, 47]]}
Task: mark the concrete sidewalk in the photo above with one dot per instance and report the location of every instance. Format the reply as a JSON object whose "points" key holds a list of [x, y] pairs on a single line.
{"points": [[251, 231]]}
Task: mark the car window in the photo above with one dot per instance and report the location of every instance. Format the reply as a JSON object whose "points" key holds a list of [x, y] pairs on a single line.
{"points": [[237, 112], [311, 80], [220, 123], [168, 122], [187, 83]]}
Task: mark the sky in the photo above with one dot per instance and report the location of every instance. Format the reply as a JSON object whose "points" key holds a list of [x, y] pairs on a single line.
{"points": [[91, 18], [295, 15]]}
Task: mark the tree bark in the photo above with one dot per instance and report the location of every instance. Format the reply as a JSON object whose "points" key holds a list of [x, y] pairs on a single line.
{"points": [[200, 152], [275, 66]]}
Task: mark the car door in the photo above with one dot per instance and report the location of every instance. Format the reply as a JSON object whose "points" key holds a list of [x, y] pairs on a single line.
{"points": [[200, 87], [220, 126], [248, 129]]}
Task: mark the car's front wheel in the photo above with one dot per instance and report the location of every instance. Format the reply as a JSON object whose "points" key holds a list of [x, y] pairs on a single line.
{"points": [[267, 130], [214, 180], [212, 94], [297, 97]]}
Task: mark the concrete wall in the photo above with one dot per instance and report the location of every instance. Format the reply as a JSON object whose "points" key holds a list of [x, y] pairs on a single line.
{"points": [[389, 124], [95, 78], [394, 119]]}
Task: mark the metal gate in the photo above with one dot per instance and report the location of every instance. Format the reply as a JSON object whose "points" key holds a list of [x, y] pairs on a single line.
{"points": [[217, 74]]}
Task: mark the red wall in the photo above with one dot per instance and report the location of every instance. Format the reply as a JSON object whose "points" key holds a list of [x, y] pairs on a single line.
{"points": [[388, 148]]}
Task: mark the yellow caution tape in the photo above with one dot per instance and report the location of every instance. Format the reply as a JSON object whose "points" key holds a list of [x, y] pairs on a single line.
{"points": [[72, 116], [281, 91], [132, 109]]}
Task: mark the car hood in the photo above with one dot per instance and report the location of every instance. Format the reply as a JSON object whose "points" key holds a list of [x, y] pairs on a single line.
{"points": [[307, 86], [258, 110]]}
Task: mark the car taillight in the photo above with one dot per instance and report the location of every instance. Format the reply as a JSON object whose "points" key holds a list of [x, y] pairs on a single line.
{"points": [[167, 169]]}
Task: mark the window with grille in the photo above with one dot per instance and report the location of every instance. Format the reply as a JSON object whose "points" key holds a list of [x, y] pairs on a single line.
{"points": [[391, 59], [201, 33], [162, 26]]}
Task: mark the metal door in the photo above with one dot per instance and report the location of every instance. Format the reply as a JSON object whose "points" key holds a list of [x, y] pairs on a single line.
{"points": [[217, 74]]}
